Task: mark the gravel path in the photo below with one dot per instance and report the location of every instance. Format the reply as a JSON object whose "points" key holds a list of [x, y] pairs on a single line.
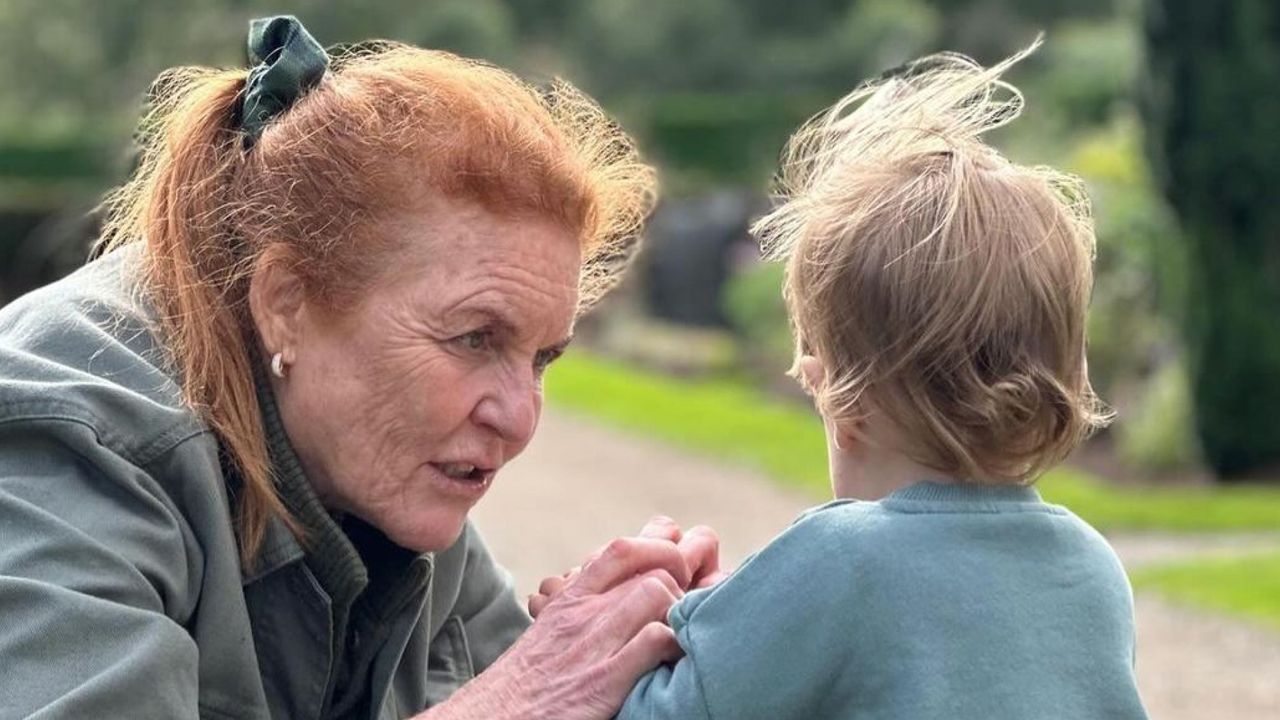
{"points": [[579, 485]]}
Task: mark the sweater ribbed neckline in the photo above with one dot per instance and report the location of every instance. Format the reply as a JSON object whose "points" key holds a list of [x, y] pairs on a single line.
{"points": [[928, 496], [930, 491]]}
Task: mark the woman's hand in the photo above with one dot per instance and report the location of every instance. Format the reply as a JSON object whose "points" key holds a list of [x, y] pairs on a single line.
{"points": [[700, 548], [589, 645]]}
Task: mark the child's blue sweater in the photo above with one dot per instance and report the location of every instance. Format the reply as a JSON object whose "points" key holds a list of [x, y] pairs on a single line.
{"points": [[939, 601]]}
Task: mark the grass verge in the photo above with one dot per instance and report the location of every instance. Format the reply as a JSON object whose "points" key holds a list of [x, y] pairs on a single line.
{"points": [[1247, 586]]}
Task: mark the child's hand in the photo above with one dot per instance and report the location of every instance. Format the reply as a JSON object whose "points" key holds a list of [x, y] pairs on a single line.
{"points": [[700, 548]]}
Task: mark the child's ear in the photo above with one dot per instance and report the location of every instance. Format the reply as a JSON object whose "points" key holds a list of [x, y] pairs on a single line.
{"points": [[813, 372], [842, 438]]}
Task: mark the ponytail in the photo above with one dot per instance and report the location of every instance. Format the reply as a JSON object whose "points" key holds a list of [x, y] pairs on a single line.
{"points": [[180, 206]]}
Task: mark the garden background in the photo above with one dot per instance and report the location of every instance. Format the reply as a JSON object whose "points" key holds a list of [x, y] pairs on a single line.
{"points": [[1167, 108]]}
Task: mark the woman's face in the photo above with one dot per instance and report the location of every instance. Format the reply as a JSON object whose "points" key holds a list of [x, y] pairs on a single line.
{"points": [[403, 410]]}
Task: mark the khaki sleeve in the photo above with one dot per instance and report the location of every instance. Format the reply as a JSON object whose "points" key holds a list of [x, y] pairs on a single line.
{"points": [[95, 578], [487, 604]]}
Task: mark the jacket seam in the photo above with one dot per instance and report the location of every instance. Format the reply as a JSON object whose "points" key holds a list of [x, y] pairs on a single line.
{"points": [[142, 464], [140, 455], [208, 708]]}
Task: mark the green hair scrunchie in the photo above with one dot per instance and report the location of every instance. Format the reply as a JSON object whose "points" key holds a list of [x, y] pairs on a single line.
{"points": [[287, 63]]}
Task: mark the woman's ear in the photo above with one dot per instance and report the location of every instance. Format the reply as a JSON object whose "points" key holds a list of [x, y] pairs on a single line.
{"points": [[276, 302]]}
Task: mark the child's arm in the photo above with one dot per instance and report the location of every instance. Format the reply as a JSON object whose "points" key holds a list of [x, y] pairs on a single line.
{"points": [[769, 642], [670, 691]]}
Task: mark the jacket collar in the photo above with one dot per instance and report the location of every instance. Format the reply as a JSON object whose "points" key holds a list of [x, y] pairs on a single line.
{"points": [[329, 553]]}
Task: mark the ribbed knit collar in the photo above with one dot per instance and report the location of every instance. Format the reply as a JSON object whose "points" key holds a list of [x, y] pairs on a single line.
{"points": [[965, 497], [330, 554]]}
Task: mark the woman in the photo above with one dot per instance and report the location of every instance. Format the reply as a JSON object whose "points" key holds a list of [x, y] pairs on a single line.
{"points": [[237, 452]]}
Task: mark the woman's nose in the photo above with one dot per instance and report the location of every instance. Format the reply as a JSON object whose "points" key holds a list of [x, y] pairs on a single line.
{"points": [[511, 410]]}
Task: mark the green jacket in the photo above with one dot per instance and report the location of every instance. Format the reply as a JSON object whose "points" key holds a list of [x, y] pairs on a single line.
{"points": [[121, 591]]}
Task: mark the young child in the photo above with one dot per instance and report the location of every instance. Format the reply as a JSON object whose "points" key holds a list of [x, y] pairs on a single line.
{"points": [[937, 292]]}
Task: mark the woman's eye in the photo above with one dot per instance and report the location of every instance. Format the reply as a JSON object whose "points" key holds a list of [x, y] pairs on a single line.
{"points": [[476, 339], [544, 358]]}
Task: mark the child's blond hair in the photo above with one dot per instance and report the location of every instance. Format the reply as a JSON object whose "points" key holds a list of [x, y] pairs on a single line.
{"points": [[942, 286]]}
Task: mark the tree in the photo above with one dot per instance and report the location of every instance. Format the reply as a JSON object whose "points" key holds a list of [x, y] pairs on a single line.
{"points": [[1213, 118]]}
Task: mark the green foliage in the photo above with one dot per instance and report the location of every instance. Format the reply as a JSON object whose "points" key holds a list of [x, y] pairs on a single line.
{"points": [[1247, 586], [728, 47], [661, 46], [717, 96], [719, 138], [883, 33], [869, 37], [1140, 268], [1088, 70], [765, 65], [1158, 434], [73, 159], [1211, 106], [475, 28], [739, 423], [753, 303]]}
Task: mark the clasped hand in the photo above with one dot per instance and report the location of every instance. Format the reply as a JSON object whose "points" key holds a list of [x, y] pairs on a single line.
{"points": [[598, 628], [699, 548]]}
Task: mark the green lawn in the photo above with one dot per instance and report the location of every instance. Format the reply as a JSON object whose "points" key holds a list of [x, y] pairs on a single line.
{"points": [[740, 424], [1248, 585]]}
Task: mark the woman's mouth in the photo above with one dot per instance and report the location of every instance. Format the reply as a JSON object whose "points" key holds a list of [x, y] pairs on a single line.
{"points": [[461, 471], [460, 479]]}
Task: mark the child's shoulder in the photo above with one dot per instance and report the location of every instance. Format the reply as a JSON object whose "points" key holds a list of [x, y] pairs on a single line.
{"points": [[832, 516], [808, 558], [825, 534], [849, 547], [822, 531]]}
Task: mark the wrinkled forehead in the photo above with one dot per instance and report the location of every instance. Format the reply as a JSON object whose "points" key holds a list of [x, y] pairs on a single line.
{"points": [[458, 259]]}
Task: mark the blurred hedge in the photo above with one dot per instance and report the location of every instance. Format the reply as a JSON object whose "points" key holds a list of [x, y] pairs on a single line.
{"points": [[709, 138]]}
